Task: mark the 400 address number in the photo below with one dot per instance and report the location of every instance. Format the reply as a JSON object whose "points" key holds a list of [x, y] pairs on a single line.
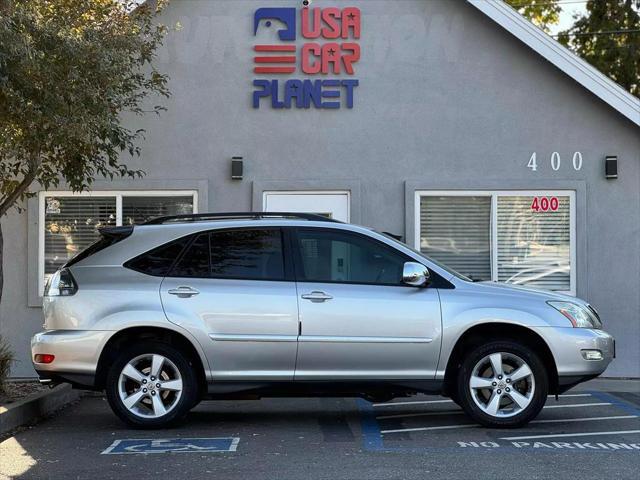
{"points": [[556, 161], [545, 204]]}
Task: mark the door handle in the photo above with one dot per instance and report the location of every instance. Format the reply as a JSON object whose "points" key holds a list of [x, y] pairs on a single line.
{"points": [[317, 296], [183, 292]]}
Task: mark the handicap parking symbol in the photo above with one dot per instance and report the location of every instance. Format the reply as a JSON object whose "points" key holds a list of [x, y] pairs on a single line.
{"points": [[172, 445]]}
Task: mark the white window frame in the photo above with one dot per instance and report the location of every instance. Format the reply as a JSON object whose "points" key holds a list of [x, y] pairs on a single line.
{"points": [[117, 194], [494, 194], [345, 193]]}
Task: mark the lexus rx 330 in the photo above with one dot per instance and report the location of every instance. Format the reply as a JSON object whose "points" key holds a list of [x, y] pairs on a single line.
{"points": [[232, 306]]}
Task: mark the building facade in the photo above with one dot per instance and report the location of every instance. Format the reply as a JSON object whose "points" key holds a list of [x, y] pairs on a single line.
{"points": [[454, 124]]}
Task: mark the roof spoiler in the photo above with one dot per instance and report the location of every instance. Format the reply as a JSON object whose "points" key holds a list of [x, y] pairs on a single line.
{"points": [[116, 233]]}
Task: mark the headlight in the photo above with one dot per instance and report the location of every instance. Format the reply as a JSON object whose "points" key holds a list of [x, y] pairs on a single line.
{"points": [[579, 316]]}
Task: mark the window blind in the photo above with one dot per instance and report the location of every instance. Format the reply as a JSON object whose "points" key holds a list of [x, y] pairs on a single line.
{"points": [[534, 247], [136, 210], [71, 225], [71, 222], [456, 230]]}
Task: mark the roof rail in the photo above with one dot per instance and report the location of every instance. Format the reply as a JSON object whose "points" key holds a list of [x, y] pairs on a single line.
{"points": [[195, 217]]}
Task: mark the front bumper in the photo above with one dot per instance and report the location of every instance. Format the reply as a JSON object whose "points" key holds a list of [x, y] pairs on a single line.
{"points": [[76, 352], [567, 344]]}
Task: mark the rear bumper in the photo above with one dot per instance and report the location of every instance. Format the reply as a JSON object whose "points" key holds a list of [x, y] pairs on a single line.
{"points": [[567, 345], [76, 355]]}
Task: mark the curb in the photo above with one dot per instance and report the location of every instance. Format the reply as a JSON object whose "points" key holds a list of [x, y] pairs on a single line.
{"points": [[32, 408]]}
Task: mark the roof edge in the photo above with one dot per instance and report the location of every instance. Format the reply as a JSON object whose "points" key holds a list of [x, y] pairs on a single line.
{"points": [[577, 68]]}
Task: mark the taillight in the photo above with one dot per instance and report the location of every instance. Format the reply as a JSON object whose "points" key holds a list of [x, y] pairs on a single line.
{"points": [[61, 284], [43, 358]]}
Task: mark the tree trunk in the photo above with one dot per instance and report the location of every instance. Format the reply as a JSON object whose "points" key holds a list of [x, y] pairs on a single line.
{"points": [[7, 202], [1, 272]]}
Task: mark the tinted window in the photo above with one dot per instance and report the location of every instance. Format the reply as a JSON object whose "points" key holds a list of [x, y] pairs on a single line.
{"points": [[239, 254], [255, 254], [195, 261], [159, 260], [336, 256]]}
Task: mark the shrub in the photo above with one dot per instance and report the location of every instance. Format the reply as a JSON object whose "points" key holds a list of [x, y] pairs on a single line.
{"points": [[6, 359]]}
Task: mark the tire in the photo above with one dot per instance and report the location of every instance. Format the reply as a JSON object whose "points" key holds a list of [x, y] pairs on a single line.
{"points": [[512, 397], [130, 378]]}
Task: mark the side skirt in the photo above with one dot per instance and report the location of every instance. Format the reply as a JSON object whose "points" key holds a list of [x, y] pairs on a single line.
{"points": [[375, 390]]}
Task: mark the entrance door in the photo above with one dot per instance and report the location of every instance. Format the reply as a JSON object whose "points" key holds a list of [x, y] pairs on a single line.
{"points": [[331, 204]]}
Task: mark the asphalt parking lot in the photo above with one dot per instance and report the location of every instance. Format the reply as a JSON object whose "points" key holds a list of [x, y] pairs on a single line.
{"points": [[591, 432]]}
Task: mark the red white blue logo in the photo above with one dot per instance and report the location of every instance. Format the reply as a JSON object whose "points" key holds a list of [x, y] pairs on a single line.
{"points": [[332, 51]]}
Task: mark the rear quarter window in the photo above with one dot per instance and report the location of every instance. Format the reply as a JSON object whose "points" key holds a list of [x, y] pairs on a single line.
{"points": [[108, 237], [158, 261]]}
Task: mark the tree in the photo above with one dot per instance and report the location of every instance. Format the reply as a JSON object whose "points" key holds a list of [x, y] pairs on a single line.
{"points": [[542, 13], [68, 69], [608, 37]]}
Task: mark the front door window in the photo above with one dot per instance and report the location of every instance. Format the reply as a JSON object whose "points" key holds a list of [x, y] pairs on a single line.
{"points": [[335, 256]]}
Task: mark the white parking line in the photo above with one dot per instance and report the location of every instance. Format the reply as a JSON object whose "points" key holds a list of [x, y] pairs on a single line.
{"points": [[576, 405], [458, 412], [584, 419], [424, 414], [423, 402], [572, 395], [469, 425], [585, 434], [425, 429]]}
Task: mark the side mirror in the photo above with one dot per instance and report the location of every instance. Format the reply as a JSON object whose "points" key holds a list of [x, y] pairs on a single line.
{"points": [[415, 274]]}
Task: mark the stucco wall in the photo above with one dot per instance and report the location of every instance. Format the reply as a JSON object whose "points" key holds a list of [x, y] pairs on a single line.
{"points": [[447, 99]]}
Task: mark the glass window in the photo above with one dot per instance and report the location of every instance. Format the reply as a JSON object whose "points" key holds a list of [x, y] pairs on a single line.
{"points": [[251, 254], [511, 237], [534, 246], [137, 210], [336, 256], [195, 261], [71, 224], [235, 254], [71, 221], [158, 261], [456, 230]]}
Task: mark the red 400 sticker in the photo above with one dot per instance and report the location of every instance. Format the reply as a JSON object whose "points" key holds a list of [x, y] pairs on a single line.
{"points": [[545, 204]]}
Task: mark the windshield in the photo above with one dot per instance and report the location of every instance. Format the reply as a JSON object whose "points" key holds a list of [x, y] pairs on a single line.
{"points": [[417, 252]]}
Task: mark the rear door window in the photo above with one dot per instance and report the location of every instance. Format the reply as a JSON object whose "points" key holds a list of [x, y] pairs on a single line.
{"points": [[246, 254]]}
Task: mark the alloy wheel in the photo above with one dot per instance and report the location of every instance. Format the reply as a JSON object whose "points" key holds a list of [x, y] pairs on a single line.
{"points": [[150, 386], [502, 384]]}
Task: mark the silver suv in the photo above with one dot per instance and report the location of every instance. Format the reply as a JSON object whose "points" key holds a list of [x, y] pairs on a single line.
{"points": [[233, 306]]}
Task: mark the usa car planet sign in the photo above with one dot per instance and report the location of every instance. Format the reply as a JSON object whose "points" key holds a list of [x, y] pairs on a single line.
{"points": [[323, 67]]}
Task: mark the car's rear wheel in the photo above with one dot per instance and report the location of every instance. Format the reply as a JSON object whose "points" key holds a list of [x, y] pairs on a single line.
{"points": [[151, 385], [502, 384]]}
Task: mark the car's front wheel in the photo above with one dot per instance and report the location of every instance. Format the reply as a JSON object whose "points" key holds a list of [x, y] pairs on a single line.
{"points": [[151, 385], [502, 384]]}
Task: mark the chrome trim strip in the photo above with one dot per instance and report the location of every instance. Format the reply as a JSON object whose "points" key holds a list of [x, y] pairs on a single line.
{"points": [[238, 337], [336, 339], [233, 337]]}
